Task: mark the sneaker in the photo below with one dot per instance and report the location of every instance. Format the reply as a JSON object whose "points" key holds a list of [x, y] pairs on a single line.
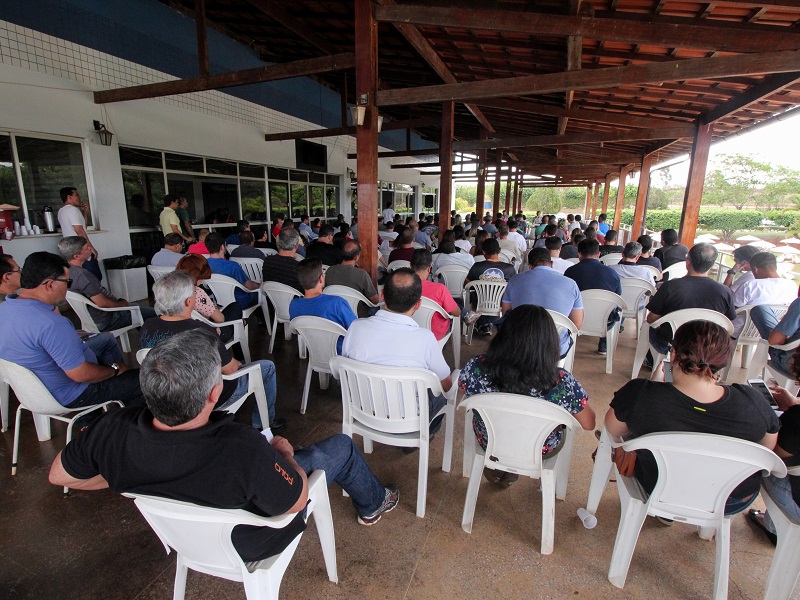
{"points": [[665, 521], [471, 317], [601, 347], [484, 331], [278, 424], [390, 500]]}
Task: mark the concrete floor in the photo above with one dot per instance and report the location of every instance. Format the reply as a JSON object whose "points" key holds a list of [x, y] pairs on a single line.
{"points": [[96, 544]]}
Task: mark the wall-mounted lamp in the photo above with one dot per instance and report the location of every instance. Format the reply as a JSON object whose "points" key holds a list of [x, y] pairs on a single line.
{"points": [[351, 174], [357, 114], [380, 123], [104, 134]]}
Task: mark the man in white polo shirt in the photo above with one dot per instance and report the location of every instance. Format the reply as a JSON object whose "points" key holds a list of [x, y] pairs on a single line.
{"points": [[394, 339], [767, 287]]}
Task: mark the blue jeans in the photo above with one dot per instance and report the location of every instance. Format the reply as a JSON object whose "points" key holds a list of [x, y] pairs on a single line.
{"points": [[270, 387], [765, 321], [343, 463], [780, 489], [435, 404], [124, 388], [659, 343], [105, 348]]}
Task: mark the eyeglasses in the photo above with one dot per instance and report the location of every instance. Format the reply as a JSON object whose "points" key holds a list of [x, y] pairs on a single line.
{"points": [[67, 281]]}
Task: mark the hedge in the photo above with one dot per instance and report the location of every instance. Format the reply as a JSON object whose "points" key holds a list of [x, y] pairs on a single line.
{"points": [[711, 218], [784, 218]]}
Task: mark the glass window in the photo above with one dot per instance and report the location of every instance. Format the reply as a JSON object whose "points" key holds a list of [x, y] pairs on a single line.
{"points": [[298, 175], [279, 199], [181, 162], [354, 199], [47, 166], [317, 201], [299, 201], [216, 166], [136, 157], [144, 193], [254, 205], [277, 173], [332, 179], [246, 170], [332, 201], [9, 190], [316, 177]]}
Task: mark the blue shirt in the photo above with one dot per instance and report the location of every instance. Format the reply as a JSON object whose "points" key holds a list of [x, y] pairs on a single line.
{"points": [[221, 266], [591, 274], [36, 338], [333, 308], [547, 288], [790, 323], [603, 227], [309, 233], [234, 239]]}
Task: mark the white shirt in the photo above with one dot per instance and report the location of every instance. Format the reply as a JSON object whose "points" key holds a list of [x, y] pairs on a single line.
{"points": [[561, 264], [774, 290], [388, 215], [68, 217], [519, 240], [743, 278], [510, 245], [456, 258], [464, 245], [572, 226], [634, 272], [394, 340]]}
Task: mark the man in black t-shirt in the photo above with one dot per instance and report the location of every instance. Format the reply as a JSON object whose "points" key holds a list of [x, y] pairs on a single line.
{"points": [[179, 448], [695, 290], [671, 252], [282, 267], [492, 268], [323, 247]]}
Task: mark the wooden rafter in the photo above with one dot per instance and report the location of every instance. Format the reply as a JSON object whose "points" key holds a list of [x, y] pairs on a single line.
{"points": [[320, 133], [769, 86], [274, 11]]}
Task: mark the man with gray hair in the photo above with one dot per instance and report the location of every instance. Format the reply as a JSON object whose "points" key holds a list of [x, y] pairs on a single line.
{"points": [[282, 267], [175, 300], [628, 266], [76, 251], [179, 447]]}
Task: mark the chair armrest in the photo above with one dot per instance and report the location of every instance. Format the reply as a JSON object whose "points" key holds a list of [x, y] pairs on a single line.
{"points": [[452, 393], [787, 347], [253, 369]]}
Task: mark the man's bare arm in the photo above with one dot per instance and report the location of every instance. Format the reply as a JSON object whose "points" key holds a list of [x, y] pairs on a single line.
{"points": [[576, 316], [59, 476], [92, 373], [104, 301]]}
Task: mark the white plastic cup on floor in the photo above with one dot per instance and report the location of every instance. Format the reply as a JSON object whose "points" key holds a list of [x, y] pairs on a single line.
{"points": [[588, 519]]}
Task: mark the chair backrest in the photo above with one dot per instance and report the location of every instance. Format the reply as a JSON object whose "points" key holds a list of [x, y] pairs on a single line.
{"points": [[157, 272], [320, 336], [268, 251], [698, 471], [141, 354], [517, 427], [479, 258], [679, 317], [280, 295], [676, 271], [611, 259], [507, 256], [231, 247], [489, 294], [388, 399], [424, 314], [299, 257], [30, 390], [563, 322], [353, 297], [574, 260], [654, 270], [80, 304], [597, 306], [223, 288], [453, 277], [399, 264], [634, 290], [750, 331], [253, 267]]}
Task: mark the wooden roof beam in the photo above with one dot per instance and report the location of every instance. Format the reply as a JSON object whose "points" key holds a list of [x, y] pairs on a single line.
{"points": [[721, 37], [767, 87], [298, 68], [275, 12], [551, 83], [320, 133]]}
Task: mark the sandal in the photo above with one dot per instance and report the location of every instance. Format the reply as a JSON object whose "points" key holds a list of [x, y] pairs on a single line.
{"points": [[756, 518], [501, 479]]}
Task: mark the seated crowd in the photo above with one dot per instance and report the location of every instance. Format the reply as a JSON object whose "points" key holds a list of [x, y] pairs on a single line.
{"points": [[174, 437]]}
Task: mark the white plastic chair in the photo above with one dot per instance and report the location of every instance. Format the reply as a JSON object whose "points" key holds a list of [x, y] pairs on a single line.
{"points": [[224, 288], [517, 428], [453, 277], [231, 247], [654, 270], [761, 365], [255, 386], [80, 304], [280, 295], [634, 291], [201, 537], [390, 405], [399, 264], [597, 306], [562, 322], [749, 335], [320, 337], [611, 259], [489, 294], [785, 568], [676, 271], [674, 320], [35, 397], [353, 297], [157, 272], [240, 332], [268, 251], [253, 267], [507, 256], [574, 260], [424, 317], [696, 474]]}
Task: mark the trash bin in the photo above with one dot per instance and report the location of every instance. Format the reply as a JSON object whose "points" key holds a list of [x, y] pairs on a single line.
{"points": [[127, 277]]}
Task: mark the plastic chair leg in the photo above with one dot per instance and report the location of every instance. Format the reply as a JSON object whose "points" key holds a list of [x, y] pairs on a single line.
{"points": [[601, 472], [42, 423], [287, 335], [457, 342], [469, 445], [449, 429], [611, 345], [548, 484], [642, 346], [472, 492], [244, 344], [758, 362], [723, 560], [563, 460], [747, 352], [15, 452], [422, 478], [324, 522], [306, 387], [785, 569], [367, 445], [272, 336], [324, 380], [265, 312], [181, 572], [4, 393], [632, 516]]}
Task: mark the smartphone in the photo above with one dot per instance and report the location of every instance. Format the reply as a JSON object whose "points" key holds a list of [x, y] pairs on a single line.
{"points": [[762, 387]]}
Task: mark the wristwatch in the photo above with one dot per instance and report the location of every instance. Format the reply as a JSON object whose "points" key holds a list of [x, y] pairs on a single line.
{"points": [[115, 366], [731, 272]]}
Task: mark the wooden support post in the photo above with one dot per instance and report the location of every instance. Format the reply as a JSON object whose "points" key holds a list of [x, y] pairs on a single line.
{"points": [[514, 208], [481, 178], [694, 184], [366, 35], [446, 160], [498, 164], [588, 198], [641, 197], [606, 192], [623, 175], [508, 193], [202, 37], [596, 193]]}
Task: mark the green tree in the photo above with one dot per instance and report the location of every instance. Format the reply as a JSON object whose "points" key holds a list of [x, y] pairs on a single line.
{"points": [[737, 182]]}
